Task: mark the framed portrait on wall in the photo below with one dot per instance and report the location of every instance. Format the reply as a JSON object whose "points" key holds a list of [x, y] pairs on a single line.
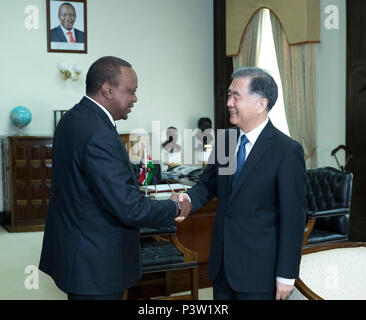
{"points": [[66, 26]]}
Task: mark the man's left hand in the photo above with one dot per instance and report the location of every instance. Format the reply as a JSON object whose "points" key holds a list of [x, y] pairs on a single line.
{"points": [[283, 290]]}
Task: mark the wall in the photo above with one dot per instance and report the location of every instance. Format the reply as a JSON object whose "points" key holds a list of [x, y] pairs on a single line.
{"points": [[331, 86], [168, 42]]}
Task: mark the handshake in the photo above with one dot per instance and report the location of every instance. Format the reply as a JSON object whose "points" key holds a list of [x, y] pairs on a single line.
{"points": [[184, 203]]}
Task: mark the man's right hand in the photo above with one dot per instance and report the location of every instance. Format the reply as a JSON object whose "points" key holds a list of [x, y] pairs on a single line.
{"points": [[185, 206]]}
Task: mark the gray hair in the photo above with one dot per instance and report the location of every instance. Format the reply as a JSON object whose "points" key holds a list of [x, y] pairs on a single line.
{"points": [[262, 83]]}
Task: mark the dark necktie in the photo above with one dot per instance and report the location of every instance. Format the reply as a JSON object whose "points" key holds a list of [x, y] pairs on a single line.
{"points": [[240, 159]]}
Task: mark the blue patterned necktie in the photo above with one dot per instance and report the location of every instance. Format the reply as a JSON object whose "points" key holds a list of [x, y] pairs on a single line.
{"points": [[240, 159]]}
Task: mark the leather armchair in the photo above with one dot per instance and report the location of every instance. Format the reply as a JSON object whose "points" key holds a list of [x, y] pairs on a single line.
{"points": [[329, 200]]}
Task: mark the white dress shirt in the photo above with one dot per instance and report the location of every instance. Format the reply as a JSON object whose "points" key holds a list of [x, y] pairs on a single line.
{"points": [[105, 110], [65, 31], [252, 137]]}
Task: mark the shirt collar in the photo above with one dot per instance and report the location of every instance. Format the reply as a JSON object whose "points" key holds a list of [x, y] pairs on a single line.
{"points": [[104, 109], [253, 135], [65, 30]]}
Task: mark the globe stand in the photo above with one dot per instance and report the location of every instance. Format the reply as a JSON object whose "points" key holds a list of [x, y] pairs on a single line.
{"points": [[20, 132]]}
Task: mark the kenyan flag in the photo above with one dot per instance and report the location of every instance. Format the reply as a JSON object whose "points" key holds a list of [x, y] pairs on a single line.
{"points": [[146, 175]]}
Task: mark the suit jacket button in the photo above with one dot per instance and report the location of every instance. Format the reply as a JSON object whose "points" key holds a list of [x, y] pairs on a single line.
{"points": [[221, 239]]}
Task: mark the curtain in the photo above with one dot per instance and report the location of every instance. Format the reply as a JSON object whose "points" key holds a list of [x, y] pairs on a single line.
{"points": [[300, 19], [249, 48], [297, 70]]}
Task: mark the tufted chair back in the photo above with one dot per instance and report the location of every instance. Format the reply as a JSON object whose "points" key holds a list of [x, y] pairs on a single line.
{"points": [[328, 191], [329, 200]]}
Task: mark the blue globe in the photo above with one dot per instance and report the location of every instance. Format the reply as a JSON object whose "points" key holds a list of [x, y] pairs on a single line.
{"points": [[20, 117]]}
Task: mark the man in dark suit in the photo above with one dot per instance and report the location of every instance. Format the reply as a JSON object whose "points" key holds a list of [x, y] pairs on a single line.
{"points": [[66, 32], [91, 239], [261, 207]]}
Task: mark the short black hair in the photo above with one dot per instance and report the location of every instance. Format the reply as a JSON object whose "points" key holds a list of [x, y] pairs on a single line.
{"points": [[262, 83], [66, 4], [105, 69]]}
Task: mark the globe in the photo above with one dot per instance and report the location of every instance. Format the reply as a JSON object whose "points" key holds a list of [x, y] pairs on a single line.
{"points": [[20, 117]]}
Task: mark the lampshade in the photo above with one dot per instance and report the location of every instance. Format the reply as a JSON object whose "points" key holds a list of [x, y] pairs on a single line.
{"points": [[77, 68], [62, 66]]}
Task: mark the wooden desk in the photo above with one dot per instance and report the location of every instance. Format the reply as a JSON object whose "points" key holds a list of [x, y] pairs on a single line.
{"points": [[195, 233]]}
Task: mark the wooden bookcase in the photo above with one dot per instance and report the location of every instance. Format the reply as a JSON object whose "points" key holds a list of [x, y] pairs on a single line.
{"points": [[27, 164]]}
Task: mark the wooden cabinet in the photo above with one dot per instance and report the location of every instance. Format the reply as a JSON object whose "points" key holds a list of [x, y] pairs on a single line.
{"points": [[195, 234], [27, 164]]}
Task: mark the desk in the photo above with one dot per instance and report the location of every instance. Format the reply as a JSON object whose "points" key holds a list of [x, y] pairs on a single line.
{"points": [[195, 233]]}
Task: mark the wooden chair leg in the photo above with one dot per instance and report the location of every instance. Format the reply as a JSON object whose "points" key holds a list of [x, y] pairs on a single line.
{"points": [[125, 295], [167, 283], [194, 283]]}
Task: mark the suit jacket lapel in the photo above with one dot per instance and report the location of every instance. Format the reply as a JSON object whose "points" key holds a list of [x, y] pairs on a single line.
{"points": [[260, 147], [79, 37], [61, 34], [90, 104], [230, 177]]}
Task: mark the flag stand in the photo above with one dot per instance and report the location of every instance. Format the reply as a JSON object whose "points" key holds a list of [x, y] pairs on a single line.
{"points": [[145, 158], [147, 171]]}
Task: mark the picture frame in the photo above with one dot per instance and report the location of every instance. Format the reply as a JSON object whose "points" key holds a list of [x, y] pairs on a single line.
{"points": [[67, 26], [57, 114]]}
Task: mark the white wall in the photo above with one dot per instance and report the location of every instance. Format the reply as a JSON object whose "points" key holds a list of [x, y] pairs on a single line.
{"points": [[331, 86], [168, 42]]}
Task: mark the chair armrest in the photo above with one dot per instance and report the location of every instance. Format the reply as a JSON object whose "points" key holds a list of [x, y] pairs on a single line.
{"points": [[146, 232], [308, 228], [327, 213], [337, 224]]}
